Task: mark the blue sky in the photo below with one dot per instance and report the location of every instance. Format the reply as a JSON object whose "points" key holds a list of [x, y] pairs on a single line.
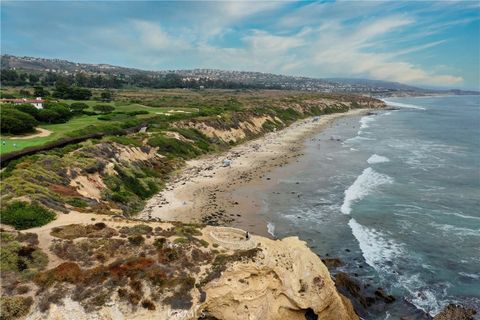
{"points": [[430, 43]]}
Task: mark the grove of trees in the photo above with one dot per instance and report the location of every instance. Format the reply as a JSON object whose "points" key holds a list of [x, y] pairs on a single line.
{"points": [[14, 121], [68, 86]]}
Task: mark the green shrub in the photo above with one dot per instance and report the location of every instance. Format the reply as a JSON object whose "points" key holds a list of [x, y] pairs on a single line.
{"points": [[14, 307], [103, 108], [138, 229], [15, 121], [22, 215], [137, 112], [174, 147], [136, 240], [77, 202], [78, 107], [159, 242], [105, 118], [181, 241], [17, 257]]}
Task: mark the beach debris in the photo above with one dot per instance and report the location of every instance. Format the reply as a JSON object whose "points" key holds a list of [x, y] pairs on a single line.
{"points": [[227, 163]]}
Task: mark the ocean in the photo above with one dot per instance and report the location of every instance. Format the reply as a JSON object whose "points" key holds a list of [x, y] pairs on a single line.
{"points": [[396, 196]]}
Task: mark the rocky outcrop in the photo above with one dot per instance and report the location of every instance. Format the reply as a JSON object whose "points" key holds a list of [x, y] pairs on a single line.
{"points": [[234, 277], [455, 312], [285, 281]]}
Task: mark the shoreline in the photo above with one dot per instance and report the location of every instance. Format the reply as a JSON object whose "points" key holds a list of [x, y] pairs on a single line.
{"points": [[203, 191]]}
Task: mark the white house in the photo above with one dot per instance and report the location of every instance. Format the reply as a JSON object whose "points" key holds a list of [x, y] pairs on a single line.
{"points": [[37, 103]]}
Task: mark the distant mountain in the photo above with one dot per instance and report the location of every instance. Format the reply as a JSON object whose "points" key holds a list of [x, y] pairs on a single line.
{"points": [[210, 78]]}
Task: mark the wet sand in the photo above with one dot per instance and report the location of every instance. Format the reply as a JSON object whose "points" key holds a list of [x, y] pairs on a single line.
{"points": [[204, 190]]}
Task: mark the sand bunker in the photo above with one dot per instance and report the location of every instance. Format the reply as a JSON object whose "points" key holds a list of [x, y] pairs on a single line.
{"points": [[40, 134]]}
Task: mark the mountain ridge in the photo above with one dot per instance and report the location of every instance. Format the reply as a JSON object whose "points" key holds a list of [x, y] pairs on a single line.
{"points": [[250, 78]]}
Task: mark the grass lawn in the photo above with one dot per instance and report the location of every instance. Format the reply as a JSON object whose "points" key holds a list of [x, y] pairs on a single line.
{"points": [[79, 122], [58, 131]]}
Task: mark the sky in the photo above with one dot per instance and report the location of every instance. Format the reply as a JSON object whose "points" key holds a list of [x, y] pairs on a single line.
{"points": [[428, 43]]}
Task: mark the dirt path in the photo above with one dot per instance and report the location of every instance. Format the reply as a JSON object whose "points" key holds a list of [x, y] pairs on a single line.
{"points": [[40, 134]]}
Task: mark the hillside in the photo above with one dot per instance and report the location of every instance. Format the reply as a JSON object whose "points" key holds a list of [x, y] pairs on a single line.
{"points": [[117, 77], [84, 255]]}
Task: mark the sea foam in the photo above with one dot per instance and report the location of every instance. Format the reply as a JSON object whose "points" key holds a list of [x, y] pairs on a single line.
{"points": [[365, 183], [380, 252], [376, 248], [271, 228], [364, 121], [375, 158]]}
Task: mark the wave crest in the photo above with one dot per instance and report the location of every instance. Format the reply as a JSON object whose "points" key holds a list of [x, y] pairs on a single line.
{"points": [[365, 183], [375, 158]]}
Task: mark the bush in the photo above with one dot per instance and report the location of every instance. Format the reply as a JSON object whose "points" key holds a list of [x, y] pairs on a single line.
{"points": [[77, 202], [105, 118], [16, 122], [14, 307], [103, 108], [174, 147], [27, 108], [78, 107], [22, 215], [21, 258], [134, 113], [136, 240]]}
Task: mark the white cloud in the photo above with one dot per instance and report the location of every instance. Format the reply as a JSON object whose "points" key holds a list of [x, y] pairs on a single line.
{"points": [[152, 36], [319, 48]]}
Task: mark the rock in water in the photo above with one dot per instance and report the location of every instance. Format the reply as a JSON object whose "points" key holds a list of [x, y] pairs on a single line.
{"points": [[455, 312]]}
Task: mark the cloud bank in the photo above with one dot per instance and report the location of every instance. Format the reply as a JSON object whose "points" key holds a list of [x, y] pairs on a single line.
{"points": [[394, 41]]}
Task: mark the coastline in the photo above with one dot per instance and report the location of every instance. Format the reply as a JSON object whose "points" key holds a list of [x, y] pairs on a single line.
{"points": [[203, 190]]}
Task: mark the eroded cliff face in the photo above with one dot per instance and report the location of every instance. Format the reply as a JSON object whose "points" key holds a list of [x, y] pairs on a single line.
{"points": [[285, 280], [216, 272]]}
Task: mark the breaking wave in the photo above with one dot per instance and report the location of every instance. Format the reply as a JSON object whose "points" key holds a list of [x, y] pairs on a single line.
{"points": [[271, 228], [376, 248], [375, 158], [365, 183], [364, 121]]}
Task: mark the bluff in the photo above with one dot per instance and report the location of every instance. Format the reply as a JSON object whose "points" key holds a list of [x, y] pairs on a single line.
{"points": [[120, 269]]}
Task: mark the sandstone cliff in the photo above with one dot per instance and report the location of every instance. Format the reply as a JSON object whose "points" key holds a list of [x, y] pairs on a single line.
{"points": [[164, 271], [285, 280]]}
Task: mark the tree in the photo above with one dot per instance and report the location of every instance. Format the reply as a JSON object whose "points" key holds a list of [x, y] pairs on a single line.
{"points": [[78, 107], [33, 78], [62, 110], [103, 108], [39, 92], [79, 94], [27, 108], [25, 93], [48, 116], [16, 122], [106, 96]]}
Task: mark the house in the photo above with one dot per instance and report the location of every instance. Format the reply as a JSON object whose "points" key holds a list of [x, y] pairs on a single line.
{"points": [[37, 103]]}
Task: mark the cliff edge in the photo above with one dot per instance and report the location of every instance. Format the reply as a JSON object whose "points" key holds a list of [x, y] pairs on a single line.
{"points": [[285, 281], [122, 269]]}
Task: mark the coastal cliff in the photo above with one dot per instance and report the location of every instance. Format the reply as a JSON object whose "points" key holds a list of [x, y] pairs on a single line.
{"points": [[286, 281], [83, 257], [165, 271]]}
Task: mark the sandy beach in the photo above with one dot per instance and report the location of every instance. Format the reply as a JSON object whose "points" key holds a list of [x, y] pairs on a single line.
{"points": [[203, 190]]}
